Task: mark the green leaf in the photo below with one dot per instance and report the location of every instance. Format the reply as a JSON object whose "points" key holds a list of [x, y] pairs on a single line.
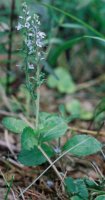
{"points": [[64, 83], [82, 189], [99, 114], [73, 17], [84, 145], [28, 140], [55, 53], [100, 108], [53, 127], [90, 183], [70, 185], [101, 197], [72, 26], [77, 187], [34, 156], [74, 107], [76, 198], [14, 125]]}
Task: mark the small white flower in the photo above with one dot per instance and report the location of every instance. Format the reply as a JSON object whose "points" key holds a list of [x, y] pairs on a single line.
{"points": [[20, 17], [57, 150], [38, 43], [27, 25], [24, 5], [30, 34], [41, 34], [28, 18], [27, 12], [30, 66], [19, 26]]}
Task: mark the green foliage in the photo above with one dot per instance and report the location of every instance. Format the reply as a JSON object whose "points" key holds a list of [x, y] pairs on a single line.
{"points": [[34, 157], [14, 125], [55, 53], [77, 187], [101, 197], [83, 189], [52, 127], [83, 145], [74, 107], [99, 114], [100, 108], [28, 139], [73, 17], [64, 82], [71, 186], [76, 198]]}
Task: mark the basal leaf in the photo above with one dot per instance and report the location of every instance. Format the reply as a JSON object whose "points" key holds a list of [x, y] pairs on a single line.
{"points": [[76, 187], [53, 127], [84, 145], [100, 108], [101, 197], [70, 185], [28, 139], [64, 83], [75, 108], [76, 198], [82, 189], [14, 125], [34, 157]]}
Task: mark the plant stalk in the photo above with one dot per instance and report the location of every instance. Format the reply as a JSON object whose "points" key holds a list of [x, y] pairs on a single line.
{"points": [[38, 97]]}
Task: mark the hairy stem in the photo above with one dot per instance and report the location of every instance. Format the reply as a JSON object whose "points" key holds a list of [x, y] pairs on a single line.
{"points": [[38, 97]]}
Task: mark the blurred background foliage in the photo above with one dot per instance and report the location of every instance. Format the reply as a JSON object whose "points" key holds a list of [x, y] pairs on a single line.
{"points": [[84, 59]]}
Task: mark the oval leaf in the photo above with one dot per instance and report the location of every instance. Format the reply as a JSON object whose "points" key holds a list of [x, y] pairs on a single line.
{"points": [[82, 145], [101, 197], [54, 127], [14, 125], [34, 156], [76, 198], [28, 140], [64, 83]]}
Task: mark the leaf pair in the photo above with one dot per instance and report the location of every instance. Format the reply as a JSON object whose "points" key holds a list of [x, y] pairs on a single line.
{"points": [[51, 127]]}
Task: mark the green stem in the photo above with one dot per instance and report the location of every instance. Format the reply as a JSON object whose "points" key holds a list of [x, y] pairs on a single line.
{"points": [[38, 97]]}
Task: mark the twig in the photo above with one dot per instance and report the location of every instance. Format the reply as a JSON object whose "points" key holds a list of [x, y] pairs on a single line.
{"points": [[3, 144], [8, 144], [90, 83], [51, 163], [86, 131]]}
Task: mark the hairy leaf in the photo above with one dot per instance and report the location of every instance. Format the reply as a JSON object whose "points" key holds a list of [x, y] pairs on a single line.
{"points": [[14, 125], [53, 127], [101, 197], [82, 189], [34, 157], [70, 185], [28, 139], [84, 145]]}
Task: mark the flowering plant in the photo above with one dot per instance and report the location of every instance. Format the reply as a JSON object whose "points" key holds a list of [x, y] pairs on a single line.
{"points": [[36, 146]]}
